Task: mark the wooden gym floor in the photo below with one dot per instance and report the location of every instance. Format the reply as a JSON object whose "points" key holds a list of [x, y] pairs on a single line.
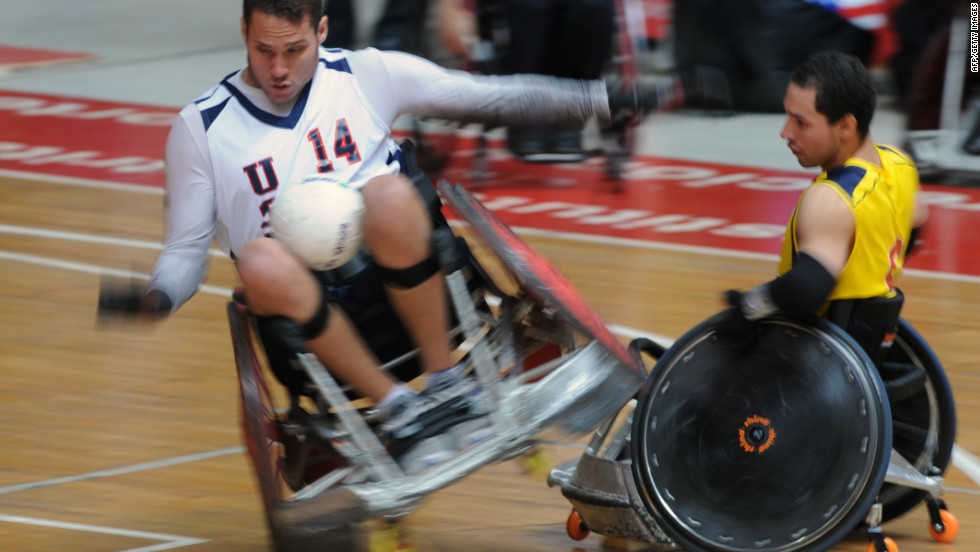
{"points": [[125, 440]]}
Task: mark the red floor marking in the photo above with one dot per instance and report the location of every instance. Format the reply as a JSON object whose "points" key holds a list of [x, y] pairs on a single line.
{"points": [[738, 208], [730, 207], [83, 139], [12, 57]]}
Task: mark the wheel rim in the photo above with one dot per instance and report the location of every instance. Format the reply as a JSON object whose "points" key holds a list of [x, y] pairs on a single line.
{"points": [[725, 466], [924, 424]]}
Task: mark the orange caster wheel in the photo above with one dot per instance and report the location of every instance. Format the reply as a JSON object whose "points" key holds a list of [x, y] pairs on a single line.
{"points": [[890, 545], [949, 529], [575, 527]]}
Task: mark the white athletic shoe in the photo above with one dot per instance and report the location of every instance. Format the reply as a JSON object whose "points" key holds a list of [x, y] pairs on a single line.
{"points": [[417, 432], [451, 384]]}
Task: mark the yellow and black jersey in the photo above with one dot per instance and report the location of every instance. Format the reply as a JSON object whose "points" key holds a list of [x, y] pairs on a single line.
{"points": [[882, 201]]}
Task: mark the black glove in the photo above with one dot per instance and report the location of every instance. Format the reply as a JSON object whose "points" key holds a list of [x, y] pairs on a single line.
{"points": [[734, 298], [131, 301], [624, 106], [735, 332], [700, 86], [155, 305], [753, 304], [631, 103], [740, 328]]}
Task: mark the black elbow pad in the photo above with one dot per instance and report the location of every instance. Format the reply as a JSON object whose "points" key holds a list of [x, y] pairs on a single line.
{"points": [[804, 288]]}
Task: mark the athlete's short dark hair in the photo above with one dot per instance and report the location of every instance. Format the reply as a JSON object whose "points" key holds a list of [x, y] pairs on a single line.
{"points": [[290, 10], [843, 86]]}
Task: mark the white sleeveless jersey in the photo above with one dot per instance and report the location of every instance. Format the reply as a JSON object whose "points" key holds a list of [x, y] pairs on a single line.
{"points": [[331, 129]]}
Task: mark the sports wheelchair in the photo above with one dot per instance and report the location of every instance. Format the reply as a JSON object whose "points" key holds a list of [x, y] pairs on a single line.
{"points": [[785, 436], [542, 355], [784, 445]]}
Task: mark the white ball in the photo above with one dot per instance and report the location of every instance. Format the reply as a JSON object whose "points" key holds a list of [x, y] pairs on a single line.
{"points": [[319, 219]]}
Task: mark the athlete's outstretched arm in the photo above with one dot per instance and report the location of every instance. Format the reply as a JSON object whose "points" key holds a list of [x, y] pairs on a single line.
{"points": [[825, 232], [190, 221], [398, 83]]}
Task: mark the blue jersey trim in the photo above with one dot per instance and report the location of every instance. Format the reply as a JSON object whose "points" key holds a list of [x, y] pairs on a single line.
{"points": [[886, 148], [211, 114], [847, 177], [287, 122], [338, 65]]}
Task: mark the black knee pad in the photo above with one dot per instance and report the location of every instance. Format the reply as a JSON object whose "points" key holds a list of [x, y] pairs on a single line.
{"points": [[283, 338], [318, 323], [410, 276], [292, 334]]}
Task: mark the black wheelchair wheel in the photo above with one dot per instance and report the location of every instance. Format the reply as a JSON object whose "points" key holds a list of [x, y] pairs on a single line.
{"points": [[923, 415], [268, 444], [260, 423], [771, 436]]}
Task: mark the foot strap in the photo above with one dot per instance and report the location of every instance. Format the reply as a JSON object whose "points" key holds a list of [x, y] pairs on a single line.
{"points": [[432, 422]]}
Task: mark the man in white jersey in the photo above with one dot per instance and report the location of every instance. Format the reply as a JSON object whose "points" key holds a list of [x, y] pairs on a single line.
{"points": [[296, 109]]}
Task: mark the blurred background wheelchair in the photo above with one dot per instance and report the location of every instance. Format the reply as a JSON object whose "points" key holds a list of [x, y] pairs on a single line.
{"points": [[581, 39]]}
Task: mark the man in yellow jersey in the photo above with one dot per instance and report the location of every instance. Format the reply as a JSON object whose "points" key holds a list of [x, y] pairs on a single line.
{"points": [[853, 226]]}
